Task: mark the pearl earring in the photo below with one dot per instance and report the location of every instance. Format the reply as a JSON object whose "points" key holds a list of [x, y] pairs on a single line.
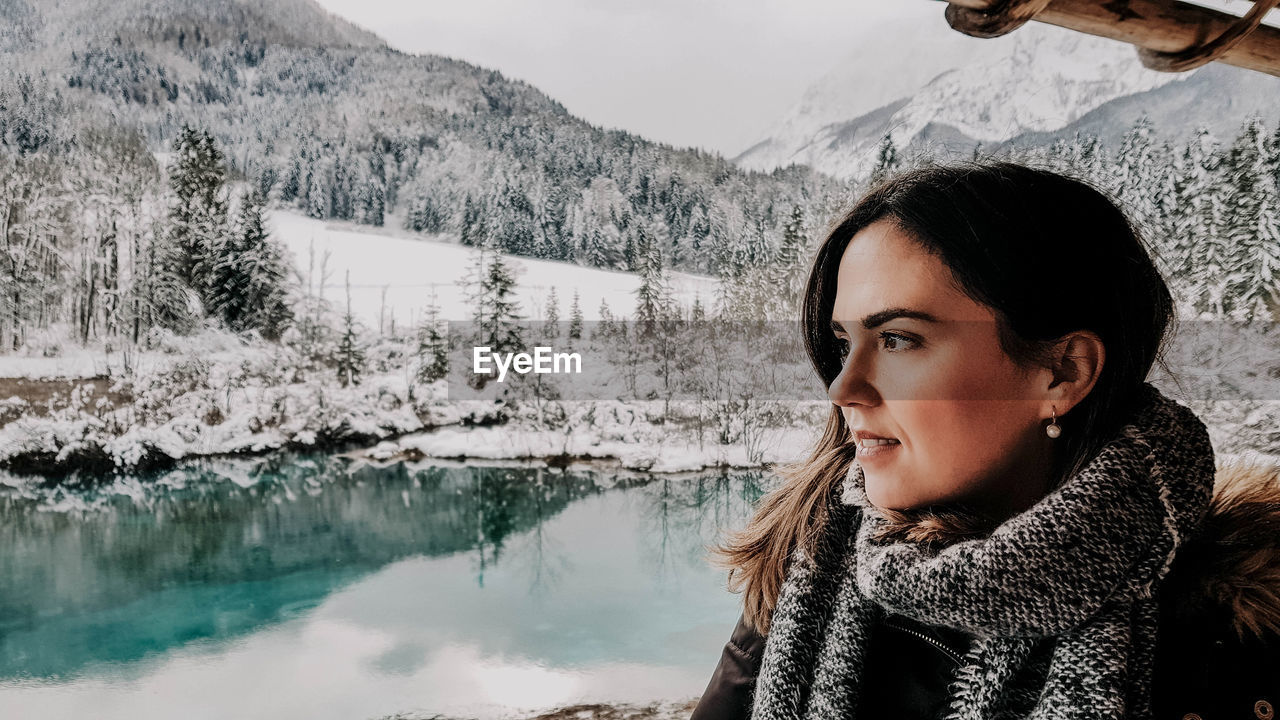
{"points": [[1053, 430]]}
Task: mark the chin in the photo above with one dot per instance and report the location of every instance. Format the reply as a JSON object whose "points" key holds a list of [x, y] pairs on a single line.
{"points": [[888, 498]]}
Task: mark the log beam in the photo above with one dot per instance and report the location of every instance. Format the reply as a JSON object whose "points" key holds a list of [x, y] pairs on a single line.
{"points": [[1165, 26]]}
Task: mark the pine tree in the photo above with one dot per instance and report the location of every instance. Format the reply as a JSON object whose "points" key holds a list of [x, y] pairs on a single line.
{"points": [[197, 215], [887, 160], [1273, 155], [652, 295], [597, 253], [1134, 181], [491, 294], [350, 356], [697, 313], [1199, 248], [1254, 228], [551, 327], [605, 329], [433, 346], [251, 275], [1165, 204], [793, 238], [575, 318], [502, 317], [1093, 160]]}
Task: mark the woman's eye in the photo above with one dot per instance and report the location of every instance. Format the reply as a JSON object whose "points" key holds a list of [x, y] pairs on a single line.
{"points": [[893, 343], [897, 341]]}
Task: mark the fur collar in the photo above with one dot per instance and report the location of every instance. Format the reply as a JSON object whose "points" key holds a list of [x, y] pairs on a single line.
{"points": [[1231, 567]]}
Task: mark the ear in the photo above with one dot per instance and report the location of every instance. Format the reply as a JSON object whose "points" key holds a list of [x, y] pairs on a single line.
{"points": [[1078, 360]]}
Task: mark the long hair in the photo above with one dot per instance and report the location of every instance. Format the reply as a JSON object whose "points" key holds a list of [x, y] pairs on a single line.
{"points": [[1049, 255]]}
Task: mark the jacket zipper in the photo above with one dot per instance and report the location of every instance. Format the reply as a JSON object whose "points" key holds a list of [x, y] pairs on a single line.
{"points": [[931, 640]]}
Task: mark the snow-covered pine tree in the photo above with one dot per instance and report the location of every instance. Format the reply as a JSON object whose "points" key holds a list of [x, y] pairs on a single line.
{"points": [[595, 252], [1093, 162], [653, 298], [1134, 178], [494, 310], [551, 324], [790, 268], [372, 202], [575, 318], [605, 329], [1273, 155], [433, 346], [758, 250], [630, 255], [319, 197], [474, 228], [1164, 201], [1253, 228], [887, 160], [197, 215], [251, 275], [350, 360], [1199, 248]]}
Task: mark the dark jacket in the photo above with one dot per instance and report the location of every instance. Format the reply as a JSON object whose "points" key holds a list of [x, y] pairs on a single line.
{"points": [[1218, 656]]}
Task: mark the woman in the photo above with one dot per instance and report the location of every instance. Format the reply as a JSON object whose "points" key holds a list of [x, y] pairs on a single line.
{"points": [[1002, 519]]}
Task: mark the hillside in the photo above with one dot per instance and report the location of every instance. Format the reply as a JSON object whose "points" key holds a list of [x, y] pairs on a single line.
{"points": [[329, 120]]}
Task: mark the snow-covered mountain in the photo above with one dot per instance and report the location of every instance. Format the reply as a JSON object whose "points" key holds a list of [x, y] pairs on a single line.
{"points": [[926, 83]]}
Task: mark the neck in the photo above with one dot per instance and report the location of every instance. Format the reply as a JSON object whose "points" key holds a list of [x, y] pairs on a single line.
{"points": [[1024, 481]]}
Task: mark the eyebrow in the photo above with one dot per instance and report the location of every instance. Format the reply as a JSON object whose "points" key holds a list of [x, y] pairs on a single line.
{"points": [[877, 319]]}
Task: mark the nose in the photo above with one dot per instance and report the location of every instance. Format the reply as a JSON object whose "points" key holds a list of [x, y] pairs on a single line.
{"points": [[852, 386]]}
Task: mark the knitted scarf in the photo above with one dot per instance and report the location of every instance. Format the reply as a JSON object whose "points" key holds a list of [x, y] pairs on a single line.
{"points": [[1061, 598]]}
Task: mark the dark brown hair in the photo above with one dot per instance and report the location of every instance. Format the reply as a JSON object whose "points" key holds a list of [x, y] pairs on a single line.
{"points": [[1049, 255]]}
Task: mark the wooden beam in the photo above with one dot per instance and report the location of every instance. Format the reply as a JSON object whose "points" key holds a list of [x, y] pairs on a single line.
{"points": [[1161, 25]]}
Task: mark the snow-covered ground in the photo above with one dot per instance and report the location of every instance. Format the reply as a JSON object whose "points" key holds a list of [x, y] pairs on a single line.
{"points": [[411, 266], [615, 430]]}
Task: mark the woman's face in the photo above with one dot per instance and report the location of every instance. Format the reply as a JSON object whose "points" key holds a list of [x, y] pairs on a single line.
{"points": [[969, 422]]}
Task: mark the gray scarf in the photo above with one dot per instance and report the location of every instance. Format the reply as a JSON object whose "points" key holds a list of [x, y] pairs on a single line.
{"points": [[1061, 598]]}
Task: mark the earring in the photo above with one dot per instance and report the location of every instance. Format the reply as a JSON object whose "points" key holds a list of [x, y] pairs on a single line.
{"points": [[1054, 430]]}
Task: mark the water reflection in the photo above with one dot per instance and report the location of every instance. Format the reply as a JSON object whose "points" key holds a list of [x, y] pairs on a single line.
{"points": [[388, 571]]}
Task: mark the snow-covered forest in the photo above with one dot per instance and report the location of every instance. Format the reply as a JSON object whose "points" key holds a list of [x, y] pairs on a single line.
{"points": [[140, 156]]}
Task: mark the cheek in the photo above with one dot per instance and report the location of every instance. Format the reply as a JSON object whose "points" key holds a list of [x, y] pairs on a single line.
{"points": [[957, 441]]}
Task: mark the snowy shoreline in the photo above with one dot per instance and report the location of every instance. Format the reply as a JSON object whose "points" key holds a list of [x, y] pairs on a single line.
{"points": [[217, 396]]}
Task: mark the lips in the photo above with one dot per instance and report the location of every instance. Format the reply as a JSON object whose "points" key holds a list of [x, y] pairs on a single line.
{"points": [[865, 438], [873, 447]]}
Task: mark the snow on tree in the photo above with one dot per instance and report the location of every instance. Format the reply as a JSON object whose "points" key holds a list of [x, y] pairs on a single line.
{"points": [[433, 346], [197, 218], [1253, 229], [1164, 201], [251, 275], [1134, 179], [1200, 249], [551, 323], [653, 295], [575, 318], [605, 328], [887, 160], [350, 356], [30, 207], [495, 316]]}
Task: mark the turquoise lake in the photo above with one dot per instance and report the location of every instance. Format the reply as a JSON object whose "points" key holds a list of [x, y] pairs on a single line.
{"points": [[318, 587]]}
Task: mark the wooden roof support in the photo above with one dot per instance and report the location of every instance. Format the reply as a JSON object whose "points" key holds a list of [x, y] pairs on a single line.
{"points": [[1170, 35]]}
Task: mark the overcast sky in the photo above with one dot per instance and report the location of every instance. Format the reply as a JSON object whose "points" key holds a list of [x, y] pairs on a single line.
{"points": [[708, 73]]}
